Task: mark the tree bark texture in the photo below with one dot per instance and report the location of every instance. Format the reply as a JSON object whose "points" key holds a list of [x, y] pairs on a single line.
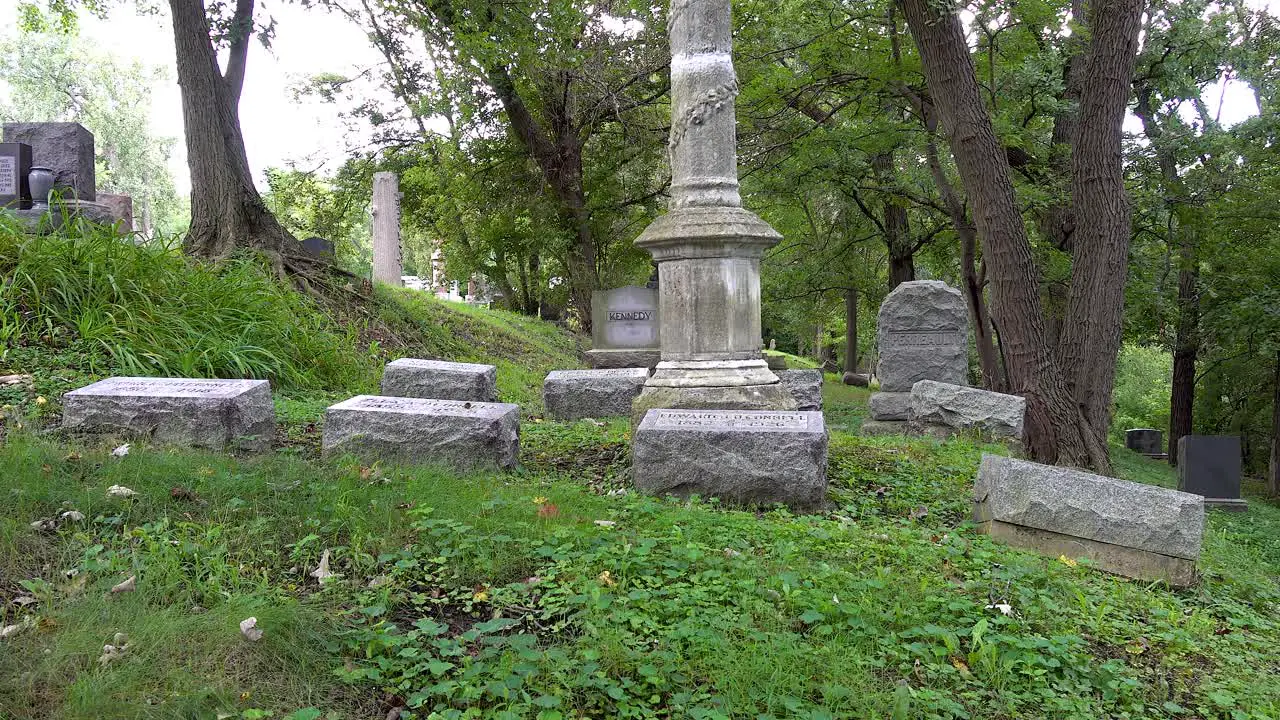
{"points": [[1055, 428], [227, 213], [896, 224], [1273, 469], [851, 330], [387, 255], [1090, 342]]}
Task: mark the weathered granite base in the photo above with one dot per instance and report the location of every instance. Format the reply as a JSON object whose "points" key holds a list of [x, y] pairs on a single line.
{"points": [[211, 414], [742, 397], [1116, 559], [440, 380], [776, 362], [872, 428], [575, 394], [742, 457], [805, 386], [48, 220], [1228, 504], [463, 435], [960, 407], [889, 405], [623, 358]]}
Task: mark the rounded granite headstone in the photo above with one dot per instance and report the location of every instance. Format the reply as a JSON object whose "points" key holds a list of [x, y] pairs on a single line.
{"points": [[923, 335]]}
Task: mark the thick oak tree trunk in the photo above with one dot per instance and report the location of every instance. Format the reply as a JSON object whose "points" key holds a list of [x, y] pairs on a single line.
{"points": [[1182, 391], [227, 213], [851, 330], [1090, 342], [1055, 428]]}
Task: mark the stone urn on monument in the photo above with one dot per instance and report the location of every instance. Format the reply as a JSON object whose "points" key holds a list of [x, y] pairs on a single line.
{"points": [[707, 247]]}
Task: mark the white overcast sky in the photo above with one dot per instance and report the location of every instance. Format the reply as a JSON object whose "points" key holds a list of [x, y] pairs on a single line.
{"points": [[279, 130]]}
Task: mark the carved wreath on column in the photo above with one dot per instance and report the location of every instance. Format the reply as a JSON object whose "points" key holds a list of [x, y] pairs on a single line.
{"points": [[710, 104]]}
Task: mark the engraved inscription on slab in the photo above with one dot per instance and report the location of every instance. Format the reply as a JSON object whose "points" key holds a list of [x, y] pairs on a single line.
{"points": [[925, 338], [421, 405], [436, 364], [625, 317], [168, 387], [8, 175], [620, 372], [667, 419]]}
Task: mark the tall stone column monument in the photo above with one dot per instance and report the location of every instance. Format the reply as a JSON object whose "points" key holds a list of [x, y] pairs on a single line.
{"points": [[707, 246]]}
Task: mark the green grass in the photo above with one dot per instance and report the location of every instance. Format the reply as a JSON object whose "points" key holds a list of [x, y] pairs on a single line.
{"points": [[500, 596], [77, 308]]}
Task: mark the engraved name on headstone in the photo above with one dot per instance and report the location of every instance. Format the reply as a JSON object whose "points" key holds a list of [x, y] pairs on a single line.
{"points": [[626, 317], [15, 165], [728, 420]]}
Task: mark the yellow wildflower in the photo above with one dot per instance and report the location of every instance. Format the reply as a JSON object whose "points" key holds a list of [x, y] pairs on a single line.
{"points": [[540, 500], [1067, 561]]}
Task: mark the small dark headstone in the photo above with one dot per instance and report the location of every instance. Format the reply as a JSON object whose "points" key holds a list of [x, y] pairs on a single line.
{"points": [[856, 379], [319, 246], [1209, 465], [15, 164], [1144, 440]]}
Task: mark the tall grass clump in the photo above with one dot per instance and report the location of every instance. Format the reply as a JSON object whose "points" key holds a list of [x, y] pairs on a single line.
{"points": [[152, 311]]}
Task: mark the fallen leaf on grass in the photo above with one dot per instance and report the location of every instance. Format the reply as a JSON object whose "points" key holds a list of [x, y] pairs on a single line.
{"points": [[1067, 561], [178, 492], [605, 523], [115, 649], [25, 600], [121, 451], [73, 516], [127, 586], [249, 629], [1004, 608], [120, 491], [378, 582], [960, 665], [72, 457], [11, 630], [606, 578], [919, 513], [548, 511], [321, 573]]}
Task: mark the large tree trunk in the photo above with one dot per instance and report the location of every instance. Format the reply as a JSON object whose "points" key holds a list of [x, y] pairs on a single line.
{"points": [[226, 211], [896, 224], [1055, 429], [1273, 470], [851, 330], [1090, 341]]}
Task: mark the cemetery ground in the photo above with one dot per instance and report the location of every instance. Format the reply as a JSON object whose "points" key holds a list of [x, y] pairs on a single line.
{"points": [[549, 592]]}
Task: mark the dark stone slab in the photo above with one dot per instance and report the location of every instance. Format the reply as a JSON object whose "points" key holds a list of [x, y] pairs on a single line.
{"points": [[15, 165], [1147, 441], [65, 148], [1209, 465], [319, 246]]}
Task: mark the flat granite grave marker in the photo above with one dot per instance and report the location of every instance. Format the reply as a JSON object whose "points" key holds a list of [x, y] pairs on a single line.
{"points": [[213, 414], [624, 328], [922, 335], [1209, 465], [1131, 529], [805, 386], [440, 380], [576, 394], [746, 457], [944, 407], [461, 434]]}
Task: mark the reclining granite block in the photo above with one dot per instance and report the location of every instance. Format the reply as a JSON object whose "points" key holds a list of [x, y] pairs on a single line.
{"points": [[461, 434], [440, 380]]}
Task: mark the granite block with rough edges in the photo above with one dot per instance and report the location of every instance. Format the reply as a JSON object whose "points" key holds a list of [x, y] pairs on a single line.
{"points": [[67, 149], [440, 380], [745, 397], [922, 335], [805, 386], [965, 408], [743, 457], [1083, 505], [461, 434], [1116, 559], [606, 359], [211, 414], [889, 405], [575, 394]]}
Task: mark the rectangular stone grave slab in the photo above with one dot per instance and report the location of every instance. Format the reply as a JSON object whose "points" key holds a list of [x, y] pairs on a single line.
{"points": [[575, 394], [440, 380], [1209, 465], [213, 414], [604, 359], [461, 434], [965, 408], [625, 317], [746, 457], [923, 335], [1131, 529], [1147, 441], [889, 405], [805, 386]]}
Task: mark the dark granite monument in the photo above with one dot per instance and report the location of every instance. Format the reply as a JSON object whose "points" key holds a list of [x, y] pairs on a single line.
{"points": [[15, 164], [1148, 441], [1209, 465]]}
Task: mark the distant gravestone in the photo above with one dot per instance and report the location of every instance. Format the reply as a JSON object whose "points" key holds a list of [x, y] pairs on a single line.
{"points": [[1131, 529], [624, 328], [462, 435], [121, 209], [213, 414], [1209, 465], [15, 165], [441, 380], [65, 148], [319, 246], [746, 457], [575, 394], [805, 387], [923, 335], [1147, 441]]}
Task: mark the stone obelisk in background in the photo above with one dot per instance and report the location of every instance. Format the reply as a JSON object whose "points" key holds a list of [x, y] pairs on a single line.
{"points": [[707, 246], [386, 229]]}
